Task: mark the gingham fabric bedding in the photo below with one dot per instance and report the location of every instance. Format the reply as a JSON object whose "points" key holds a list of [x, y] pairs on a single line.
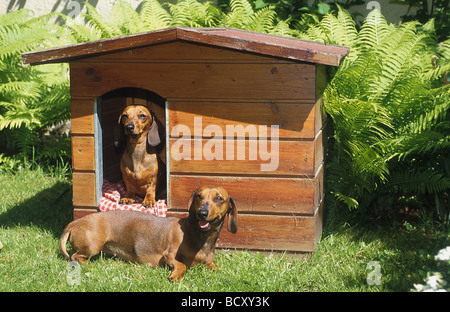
{"points": [[112, 192]]}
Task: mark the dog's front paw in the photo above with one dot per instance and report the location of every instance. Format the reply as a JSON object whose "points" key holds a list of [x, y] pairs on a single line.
{"points": [[147, 203], [126, 201], [212, 266], [176, 276]]}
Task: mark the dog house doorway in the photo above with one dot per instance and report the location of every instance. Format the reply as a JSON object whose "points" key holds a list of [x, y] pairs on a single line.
{"points": [[108, 109]]}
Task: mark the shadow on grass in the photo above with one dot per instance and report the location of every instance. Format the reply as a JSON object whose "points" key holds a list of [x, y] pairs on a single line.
{"points": [[50, 209]]}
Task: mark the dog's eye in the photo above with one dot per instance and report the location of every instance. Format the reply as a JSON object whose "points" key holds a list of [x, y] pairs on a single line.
{"points": [[142, 116], [198, 196], [124, 116], [218, 199]]}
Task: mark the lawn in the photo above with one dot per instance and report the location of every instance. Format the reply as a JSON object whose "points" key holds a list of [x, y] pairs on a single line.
{"points": [[34, 208]]}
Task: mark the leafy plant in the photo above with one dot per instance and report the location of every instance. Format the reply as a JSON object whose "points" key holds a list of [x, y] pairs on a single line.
{"points": [[389, 110], [152, 15], [32, 99], [428, 9]]}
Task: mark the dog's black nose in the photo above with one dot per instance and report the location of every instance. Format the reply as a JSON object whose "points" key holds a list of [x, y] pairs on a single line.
{"points": [[202, 213], [130, 127]]}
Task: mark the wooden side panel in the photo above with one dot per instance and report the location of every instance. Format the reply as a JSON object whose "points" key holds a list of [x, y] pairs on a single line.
{"points": [[270, 232], [266, 232], [82, 112], [79, 212], [241, 157], [318, 151], [84, 189], [319, 187], [83, 153], [252, 194], [197, 80], [295, 119], [321, 79]]}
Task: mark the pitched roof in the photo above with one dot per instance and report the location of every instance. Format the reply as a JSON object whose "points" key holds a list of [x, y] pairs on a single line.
{"points": [[235, 39]]}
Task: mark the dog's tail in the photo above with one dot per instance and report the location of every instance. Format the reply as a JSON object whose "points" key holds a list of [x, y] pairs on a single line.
{"points": [[63, 240]]}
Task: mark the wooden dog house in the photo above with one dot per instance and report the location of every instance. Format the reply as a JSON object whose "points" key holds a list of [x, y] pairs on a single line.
{"points": [[207, 81]]}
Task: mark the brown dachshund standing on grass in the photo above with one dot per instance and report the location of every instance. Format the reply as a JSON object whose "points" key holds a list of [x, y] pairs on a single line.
{"points": [[143, 172], [144, 238]]}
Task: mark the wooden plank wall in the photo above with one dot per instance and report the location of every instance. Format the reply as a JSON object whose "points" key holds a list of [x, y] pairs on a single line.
{"points": [[83, 155], [223, 87]]}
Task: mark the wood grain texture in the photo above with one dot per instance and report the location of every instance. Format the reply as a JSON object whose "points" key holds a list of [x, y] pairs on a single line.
{"points": [[242, 157], [184, 52], [252, 194], [83, 153], [202, 81], [84, 193], [294, 119], [82, 112], [79, 212], [271, 233]]}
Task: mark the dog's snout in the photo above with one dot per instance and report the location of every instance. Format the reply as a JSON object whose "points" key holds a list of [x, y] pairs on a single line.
{"points": [[203, 212], [130, 127]]}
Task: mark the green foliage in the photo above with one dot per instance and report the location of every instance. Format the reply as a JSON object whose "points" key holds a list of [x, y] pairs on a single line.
{"points": [[431, 9], [296, 9], [152, 15], [32, 99], [389, 110]]}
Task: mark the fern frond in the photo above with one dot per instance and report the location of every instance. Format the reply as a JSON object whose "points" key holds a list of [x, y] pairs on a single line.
{"points": [[125, 17], [409, 181], [353, 79], [153, 15], [262, 20], [15, 17], [373, 31], [282, 28], [443, 49], [243, 6], [94, 19], [80, 32], [349, 201], [398, 52], [20, 89], [192, 13], [18, 118], [341, 28]]}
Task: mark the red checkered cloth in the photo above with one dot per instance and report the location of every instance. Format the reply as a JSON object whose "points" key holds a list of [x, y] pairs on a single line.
{"points": [[112, 192]]}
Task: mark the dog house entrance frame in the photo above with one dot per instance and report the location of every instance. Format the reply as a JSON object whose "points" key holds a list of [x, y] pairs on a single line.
{"points": [[115, 101], [226, 76]]}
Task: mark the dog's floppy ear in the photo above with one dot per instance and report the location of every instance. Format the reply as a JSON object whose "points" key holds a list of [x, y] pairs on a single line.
{"points": [[191, 199], [153, 137], [119, 135], [232, 224]]}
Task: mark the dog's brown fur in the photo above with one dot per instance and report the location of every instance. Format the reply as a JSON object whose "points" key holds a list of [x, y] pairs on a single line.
{"points": [[144, 238], [142, 169]]}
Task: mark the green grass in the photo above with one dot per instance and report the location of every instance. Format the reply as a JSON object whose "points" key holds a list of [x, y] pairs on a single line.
{"points": [[34, 208]]}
